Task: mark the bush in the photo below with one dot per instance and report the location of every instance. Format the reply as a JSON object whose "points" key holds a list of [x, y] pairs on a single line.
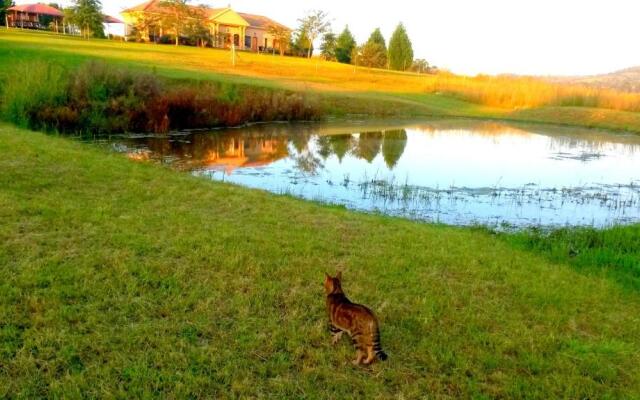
{"points": [[100, 99]]}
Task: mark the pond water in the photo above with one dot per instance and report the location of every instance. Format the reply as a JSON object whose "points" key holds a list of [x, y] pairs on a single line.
{"points": [[453, 172]]}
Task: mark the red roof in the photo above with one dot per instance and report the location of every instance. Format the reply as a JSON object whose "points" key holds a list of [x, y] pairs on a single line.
{"points": [[108, 19], [41, 9]]}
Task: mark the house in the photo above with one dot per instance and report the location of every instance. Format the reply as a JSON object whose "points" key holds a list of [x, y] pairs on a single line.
{"points": [[29, 16], [226, 26]]}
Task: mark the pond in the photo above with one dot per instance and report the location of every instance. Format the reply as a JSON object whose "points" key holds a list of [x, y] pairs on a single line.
{"points": [[454, 172]]}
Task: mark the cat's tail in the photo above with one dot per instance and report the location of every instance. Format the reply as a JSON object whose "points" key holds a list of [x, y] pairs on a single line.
{"points": [[377, 347]]}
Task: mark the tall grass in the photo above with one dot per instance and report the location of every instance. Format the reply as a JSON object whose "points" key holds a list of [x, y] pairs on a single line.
{"points": [[527, 92], [98, 98], [30, 91]]}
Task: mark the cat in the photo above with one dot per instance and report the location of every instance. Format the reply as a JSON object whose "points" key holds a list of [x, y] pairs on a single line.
{"points": [[356, 320]]}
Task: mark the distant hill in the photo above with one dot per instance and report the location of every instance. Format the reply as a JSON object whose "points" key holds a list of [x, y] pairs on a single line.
{"points": [[626, 80]]}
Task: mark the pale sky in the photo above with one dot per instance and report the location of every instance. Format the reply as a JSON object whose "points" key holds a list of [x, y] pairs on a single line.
{"points": [[537, 37]]}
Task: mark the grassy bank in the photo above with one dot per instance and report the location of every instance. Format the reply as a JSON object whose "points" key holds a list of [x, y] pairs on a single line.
{"points": [[97, 98], [342, 89], [120, 279]]}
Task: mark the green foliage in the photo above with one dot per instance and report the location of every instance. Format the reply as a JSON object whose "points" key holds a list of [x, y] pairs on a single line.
{"points": [[300, 45], [376, 37], [314, 24], [345, 46], [196, 28], [283, 36], [373, 53], [616, 251], [420, 66], [328, 46], [88, 16], [100, 99], [30, 90], [4, 5], [177, 16], [393, 146], [400, 50]]}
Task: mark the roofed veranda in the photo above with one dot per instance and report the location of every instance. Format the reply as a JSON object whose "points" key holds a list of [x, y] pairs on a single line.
{"points": [[227, 27]]}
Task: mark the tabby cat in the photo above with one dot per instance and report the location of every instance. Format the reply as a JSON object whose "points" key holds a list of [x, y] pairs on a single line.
{"points": [[356, 320]]}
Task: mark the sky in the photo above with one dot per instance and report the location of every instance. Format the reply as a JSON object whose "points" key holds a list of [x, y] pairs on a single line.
{"points": [[526, 37]]}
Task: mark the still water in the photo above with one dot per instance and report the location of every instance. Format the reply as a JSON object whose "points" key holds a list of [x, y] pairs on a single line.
{"points": [[453, 172]]}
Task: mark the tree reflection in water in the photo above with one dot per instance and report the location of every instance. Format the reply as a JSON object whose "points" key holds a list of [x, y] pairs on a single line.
{"points": [[242, 149]]}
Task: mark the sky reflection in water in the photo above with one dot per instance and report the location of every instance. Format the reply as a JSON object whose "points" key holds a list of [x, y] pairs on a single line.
{"points": [[454, 172]]}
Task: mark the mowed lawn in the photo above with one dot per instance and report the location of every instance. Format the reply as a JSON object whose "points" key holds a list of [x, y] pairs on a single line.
{"points": [[343, 89], [127, 280]]}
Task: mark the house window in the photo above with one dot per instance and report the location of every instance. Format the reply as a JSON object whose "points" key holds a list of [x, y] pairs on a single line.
{"points": [[247, 41], [236, 40]]}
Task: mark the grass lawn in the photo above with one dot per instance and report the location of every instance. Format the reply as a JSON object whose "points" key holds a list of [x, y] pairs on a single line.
{"points": [[128, 280], [342, 89]]}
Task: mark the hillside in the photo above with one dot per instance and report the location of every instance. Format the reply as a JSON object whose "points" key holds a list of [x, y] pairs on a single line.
{"points": [[343, 90], [626, 80]]}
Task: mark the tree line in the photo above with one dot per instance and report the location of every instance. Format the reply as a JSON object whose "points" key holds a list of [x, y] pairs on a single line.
{"points": [[374, 53]]}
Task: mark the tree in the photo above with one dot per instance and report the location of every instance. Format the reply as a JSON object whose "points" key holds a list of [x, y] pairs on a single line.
{"points": [[369, 144], [400, 50], [345, 46], [341, 145], [282, 35], [195, 27], [328, 46], [69, 20], [313, 25], [88, 17], [393, 146], [376, 37], [143, 25], [420, 66], [4, 6], [374, 53], [176, 16], [300, 44], [48, 20]]}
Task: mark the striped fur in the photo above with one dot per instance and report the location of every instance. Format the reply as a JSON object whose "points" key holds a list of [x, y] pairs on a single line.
{"points": [[356, 320]]}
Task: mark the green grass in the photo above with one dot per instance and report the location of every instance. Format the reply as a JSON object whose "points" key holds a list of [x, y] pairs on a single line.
{"points": [[127, 280], [337, 87], [614, 251]]}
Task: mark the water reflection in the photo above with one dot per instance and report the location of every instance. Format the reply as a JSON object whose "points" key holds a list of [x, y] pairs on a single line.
{"points": [[231, 150], [457, 172]]}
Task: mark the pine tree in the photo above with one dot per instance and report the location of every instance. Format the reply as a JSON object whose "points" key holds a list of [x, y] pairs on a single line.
{"points": [[400, 50], [374, 53], [393, 146], [345, 46], [376, 37]]}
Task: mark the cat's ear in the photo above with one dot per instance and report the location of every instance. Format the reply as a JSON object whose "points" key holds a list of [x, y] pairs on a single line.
{"points": [[327, 276], [339, 275]]}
